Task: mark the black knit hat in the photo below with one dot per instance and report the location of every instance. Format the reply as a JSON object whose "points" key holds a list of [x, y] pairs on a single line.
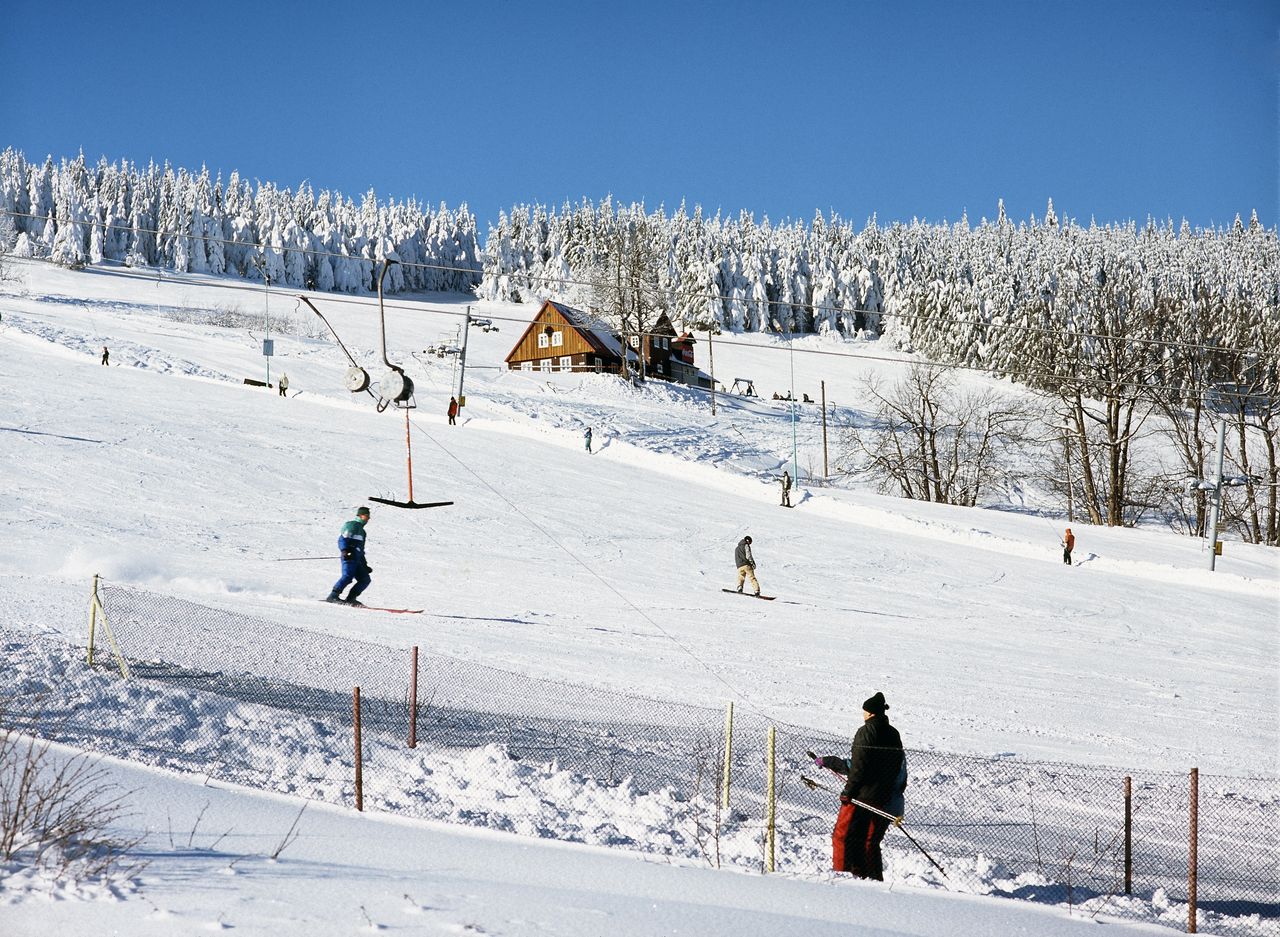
{"points": [[875, 705], [362, 510]]}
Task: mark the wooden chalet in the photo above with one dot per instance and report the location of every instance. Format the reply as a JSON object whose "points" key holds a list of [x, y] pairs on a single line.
{"points": [[561, 338]]}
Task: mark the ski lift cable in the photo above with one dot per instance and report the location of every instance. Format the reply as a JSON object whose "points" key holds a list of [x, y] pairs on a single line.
{"points": [[452, 268], [737, 693], [1069, 379]]}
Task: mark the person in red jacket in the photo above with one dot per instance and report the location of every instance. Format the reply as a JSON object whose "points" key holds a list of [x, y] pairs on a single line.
{"points": [[1068, 544], [453, 411]]}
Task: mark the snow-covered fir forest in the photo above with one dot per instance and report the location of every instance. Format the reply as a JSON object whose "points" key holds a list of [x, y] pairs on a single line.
{"points": [[1121, 331]]}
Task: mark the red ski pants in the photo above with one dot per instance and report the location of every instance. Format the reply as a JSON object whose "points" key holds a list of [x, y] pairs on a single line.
{"points": [[855, 842]]}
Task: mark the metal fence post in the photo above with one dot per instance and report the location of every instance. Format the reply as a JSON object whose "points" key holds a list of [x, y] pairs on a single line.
{"points": [[771, 805], [728, 756], [1128, 835], [1191, 861], [413, 700], [359, 775]]}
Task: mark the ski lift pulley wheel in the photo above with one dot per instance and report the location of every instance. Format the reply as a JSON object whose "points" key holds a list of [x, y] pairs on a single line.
{"points": [[356, 379], [396, 385]]}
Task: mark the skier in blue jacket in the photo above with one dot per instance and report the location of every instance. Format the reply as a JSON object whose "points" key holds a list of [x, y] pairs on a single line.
{"points": [[355, 568]]}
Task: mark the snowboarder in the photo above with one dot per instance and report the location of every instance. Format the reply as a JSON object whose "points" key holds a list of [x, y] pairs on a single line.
{"points": [[876, 776], [284, 384], [1068, 544], [453, 411], [106, 355], [746, 564], [355, 567], [586, 436], [786, 488]]}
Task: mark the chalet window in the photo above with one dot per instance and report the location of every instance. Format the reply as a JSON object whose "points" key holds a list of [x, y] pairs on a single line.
{"points": [[566, 363], [557, 339], [544, 364], [526, 365], [635, 341], [543, 340], [666, 344], [598, 363]]}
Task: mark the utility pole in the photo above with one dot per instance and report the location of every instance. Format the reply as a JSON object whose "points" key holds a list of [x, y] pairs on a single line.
{"points": [[1066, 441], [795, 461], [462, 358], [267, 345], [1216, 504], [711, 352], [826, 472]]}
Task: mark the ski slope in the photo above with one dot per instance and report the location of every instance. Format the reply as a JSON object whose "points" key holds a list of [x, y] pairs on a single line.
{"points": [[164, 471]]}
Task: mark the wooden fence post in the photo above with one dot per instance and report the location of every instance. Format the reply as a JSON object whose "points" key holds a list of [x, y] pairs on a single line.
{"points": [[728, 756], [413, 700], [1191, 861], [771, 805], [1128, 835], [359, 775]]}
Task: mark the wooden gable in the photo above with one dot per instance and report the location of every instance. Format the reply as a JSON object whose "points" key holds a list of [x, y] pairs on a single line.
{"points": [[550, 321]]}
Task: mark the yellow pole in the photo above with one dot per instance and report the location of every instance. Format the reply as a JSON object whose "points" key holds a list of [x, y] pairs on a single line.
{"points": [[93, 616], [728, 756], [771, 802]]}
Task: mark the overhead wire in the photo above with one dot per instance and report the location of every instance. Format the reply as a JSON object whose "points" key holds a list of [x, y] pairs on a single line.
{"points": [[570, 281], [514, 506]]}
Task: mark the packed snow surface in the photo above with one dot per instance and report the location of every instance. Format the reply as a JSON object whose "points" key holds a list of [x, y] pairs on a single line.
{"points": [[164, 471]]}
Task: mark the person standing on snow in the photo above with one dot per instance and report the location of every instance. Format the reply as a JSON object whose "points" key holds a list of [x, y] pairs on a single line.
{"points": [[876, 776], [284, 385], [786, 488], [1068, 544], [453, 411], [746, 564], [586, 435], [106, 355], [355, 567]]}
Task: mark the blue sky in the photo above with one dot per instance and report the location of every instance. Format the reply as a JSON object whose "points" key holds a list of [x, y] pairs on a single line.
{"points": [[902, 108]]}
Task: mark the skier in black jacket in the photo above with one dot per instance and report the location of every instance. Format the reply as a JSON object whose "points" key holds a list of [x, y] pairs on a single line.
{"points": [[875, 777]]}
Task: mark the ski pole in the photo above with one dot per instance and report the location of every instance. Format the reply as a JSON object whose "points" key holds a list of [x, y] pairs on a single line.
{"points": [[897, 821], [298, 559]]}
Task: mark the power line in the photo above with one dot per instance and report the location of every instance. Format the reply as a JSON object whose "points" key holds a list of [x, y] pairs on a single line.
{"points": [[1084, 381], [738, 694], [589, 284]]}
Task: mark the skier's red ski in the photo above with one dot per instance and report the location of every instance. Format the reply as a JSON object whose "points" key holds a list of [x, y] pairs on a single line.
{"points": [[751, 595]]}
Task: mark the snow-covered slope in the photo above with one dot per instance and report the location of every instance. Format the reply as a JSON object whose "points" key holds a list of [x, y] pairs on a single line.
{"points": [[166, 472]]}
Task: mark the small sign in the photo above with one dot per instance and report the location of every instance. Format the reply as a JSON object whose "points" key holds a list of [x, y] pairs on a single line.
{"points": [[1217, 548], [462, 401], [268, 347]]}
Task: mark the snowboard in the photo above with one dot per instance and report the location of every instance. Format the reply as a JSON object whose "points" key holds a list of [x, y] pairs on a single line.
{"points": [[767, 598]]}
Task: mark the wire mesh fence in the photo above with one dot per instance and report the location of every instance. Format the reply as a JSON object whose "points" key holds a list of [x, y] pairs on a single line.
{"points": [[259, 703]]}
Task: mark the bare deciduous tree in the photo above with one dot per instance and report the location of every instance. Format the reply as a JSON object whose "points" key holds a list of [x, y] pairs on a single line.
{"points": [[930, 441]]}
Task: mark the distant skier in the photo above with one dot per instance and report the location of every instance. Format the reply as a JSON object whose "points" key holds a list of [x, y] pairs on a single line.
{"points": [[453, 411], [786, 488], [284, 384], [1068, 544], [586, 436], [106, 355], [746, 564], [355, 567], [876, 772]]}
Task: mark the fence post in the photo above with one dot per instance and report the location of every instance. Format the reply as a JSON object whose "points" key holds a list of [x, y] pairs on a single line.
{"points": [[93, 616], [413, 700], [359, 775], [1128, 835], [1191, 862], [771, 805], [728, 756]]}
